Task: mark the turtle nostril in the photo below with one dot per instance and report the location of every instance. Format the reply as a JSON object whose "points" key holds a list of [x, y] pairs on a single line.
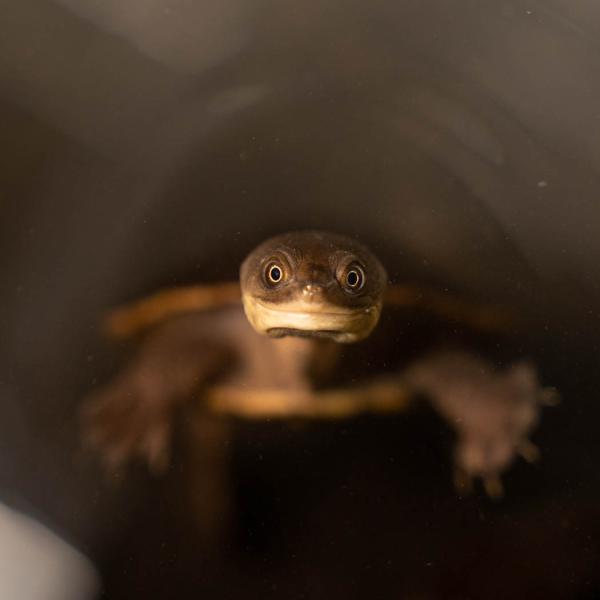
{"points": [[311, 289]]}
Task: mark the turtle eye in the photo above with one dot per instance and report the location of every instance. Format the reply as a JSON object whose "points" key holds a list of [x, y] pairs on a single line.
{"points": [[274, 273], [354, 278]]}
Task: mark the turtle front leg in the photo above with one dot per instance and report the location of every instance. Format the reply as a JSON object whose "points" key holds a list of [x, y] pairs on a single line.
{"points": [[132, 417], [492, 411]]}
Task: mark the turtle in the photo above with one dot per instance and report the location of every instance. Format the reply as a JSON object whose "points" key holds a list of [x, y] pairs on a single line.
{"points": [[312, 330]]}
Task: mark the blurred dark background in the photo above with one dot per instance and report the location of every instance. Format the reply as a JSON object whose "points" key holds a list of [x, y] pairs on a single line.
{"points": [[154, 142]]}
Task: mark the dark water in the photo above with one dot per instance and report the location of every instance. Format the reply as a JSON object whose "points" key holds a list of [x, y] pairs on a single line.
{"points": [[143, 149]]}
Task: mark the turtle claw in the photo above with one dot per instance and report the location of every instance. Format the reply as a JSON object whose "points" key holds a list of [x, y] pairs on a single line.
{"points": [[492, 484], [463, 482], [155, 449], [475, 460], [529, 451], [549, 396]]}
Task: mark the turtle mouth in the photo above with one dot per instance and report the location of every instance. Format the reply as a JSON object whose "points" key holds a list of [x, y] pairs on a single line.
{"points": [[310, 319], [277, 332]]}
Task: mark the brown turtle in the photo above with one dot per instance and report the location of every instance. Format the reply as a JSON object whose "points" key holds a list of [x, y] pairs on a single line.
{"points": [[297, 338]]}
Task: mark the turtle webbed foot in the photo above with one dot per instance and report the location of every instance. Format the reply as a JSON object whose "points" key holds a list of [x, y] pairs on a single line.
{"points": [[126, 422], [493, 425], [493, 412]]}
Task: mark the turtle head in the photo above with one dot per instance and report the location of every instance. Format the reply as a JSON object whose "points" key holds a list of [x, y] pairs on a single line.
{"points": [[313, 284]]}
